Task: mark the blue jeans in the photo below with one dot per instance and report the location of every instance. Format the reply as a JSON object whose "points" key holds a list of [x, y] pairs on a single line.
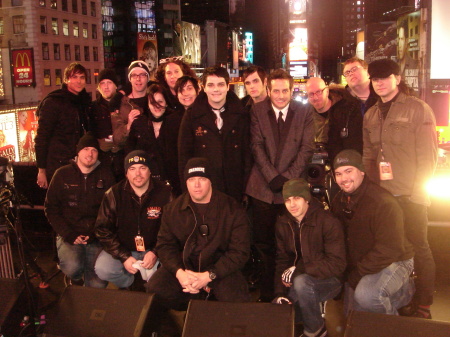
{"points": [[77, 261], [112, 270], [383, 292], [307, 293]]}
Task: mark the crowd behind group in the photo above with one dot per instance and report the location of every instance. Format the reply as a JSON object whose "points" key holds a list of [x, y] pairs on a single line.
{"points": [[180, 180]]}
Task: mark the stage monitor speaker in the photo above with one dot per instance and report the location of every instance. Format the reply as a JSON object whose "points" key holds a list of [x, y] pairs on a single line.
{"points": [[224, 319], [367, 324], [91, 312], [13, 306]]}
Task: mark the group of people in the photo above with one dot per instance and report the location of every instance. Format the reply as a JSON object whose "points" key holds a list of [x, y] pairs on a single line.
{"points": [[178, 179]]}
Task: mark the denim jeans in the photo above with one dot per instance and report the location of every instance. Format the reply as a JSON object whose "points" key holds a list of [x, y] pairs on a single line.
{"points": [[307, 292], [77, 261], [383, 292], [112, 270]]}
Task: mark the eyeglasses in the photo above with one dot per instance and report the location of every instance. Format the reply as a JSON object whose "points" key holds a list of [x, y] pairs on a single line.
{"points": [[171, 59], [351, 71], [317, 93], [141, 75]]}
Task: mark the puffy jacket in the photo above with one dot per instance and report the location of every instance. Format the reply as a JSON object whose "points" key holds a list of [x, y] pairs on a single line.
{"points": [[73, 200], [63, 120], [322, 245], [409, 139], [122, 213]]}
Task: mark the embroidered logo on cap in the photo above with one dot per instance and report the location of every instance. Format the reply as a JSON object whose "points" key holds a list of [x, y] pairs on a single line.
{"points": [[342, 160], [196, 169], [136, 159]]}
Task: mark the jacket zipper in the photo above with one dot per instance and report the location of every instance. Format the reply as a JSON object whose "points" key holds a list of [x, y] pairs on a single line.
{"points": [[293, 237]]}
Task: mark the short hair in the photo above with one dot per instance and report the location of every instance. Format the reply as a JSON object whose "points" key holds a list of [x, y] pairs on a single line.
{"points": [[356, 59], [154, 89], [183, 80], [161, 71], [72, 69], [279, 74], [250, 70], [215, 71]]}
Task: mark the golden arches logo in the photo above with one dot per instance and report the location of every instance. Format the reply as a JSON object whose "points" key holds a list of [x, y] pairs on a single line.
{"points": [[22, 56]]}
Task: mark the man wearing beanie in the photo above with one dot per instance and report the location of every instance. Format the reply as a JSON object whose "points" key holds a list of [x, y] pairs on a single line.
{"points": [[310, 258], [110, 153], [379, 257], [71, 205], [132, 105], [128, 222], [400, 154], [203, 244]]}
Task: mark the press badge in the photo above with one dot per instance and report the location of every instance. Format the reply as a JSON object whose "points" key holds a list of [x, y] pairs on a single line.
{"points": [[386, 171], [140, 246]]}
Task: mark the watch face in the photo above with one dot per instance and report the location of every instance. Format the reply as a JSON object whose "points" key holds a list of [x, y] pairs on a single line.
{"points": [[212, 275]]}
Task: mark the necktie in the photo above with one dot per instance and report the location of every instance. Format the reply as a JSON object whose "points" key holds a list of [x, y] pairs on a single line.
{"points": [[219, 120], [280, 122]]}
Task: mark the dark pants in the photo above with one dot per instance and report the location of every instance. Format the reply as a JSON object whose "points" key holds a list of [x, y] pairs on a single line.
{"points": [[169, 292], [264, 217], [416, 230]]}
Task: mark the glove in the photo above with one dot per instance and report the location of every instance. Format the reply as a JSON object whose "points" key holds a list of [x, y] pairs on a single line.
{"points": [[281, 300], [287, 275], [276, 184]]}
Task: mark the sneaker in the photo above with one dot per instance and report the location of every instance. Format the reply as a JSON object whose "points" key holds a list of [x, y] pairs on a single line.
{"points": [[322, 333], [421, 313]]}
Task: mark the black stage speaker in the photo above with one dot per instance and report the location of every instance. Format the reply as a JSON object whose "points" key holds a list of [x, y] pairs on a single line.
{"points": [[367, 324], [223, 319], [91, 312], [13, 306]]}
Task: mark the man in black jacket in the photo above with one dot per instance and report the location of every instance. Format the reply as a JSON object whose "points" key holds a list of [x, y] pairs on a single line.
{"points": [[216, 127], [380, 258], [203, 244], [71, 206], [128, 222], [63, 120], [310, 258]]}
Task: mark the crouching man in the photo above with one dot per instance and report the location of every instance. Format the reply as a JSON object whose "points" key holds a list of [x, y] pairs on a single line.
{"points": [[310, 258], [203, 244]]}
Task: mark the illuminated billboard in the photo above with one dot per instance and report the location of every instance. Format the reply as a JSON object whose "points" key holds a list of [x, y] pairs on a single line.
{"points": [[298, 49], [190, 42], [248, 47], [23, 67], [298, 69], [440, 40], [148, 51]]}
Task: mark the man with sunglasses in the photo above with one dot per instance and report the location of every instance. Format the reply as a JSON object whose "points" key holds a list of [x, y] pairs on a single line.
{"points": [[379, 257], [203, 244]]}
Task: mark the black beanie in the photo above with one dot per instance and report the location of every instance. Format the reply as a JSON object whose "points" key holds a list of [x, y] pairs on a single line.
{"points": [[197, 167], [138, 65], [88, 140], [349, 157], [136, 157], [108, 74]]}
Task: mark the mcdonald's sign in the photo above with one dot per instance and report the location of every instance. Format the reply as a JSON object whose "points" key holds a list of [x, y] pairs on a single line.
{"points": [[23, 67]]}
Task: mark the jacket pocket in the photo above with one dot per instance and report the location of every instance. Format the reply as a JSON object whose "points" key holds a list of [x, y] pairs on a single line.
{"points": [[400, 132]]}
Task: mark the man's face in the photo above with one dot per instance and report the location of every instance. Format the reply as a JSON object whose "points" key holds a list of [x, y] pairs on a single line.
{"points": [[280, 94], [317, 93], [138, 175], [349, 178], [139, 79], [401, 49], [187, 95], [254, 86], [386, 87], [172, 73], [87, 157], [76, 83], [297, 206], [357, 74], [107, 89], [199, 189], [216, 89]]}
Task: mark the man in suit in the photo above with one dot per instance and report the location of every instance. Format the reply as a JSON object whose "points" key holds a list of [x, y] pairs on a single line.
{"points": [[282, 142]]}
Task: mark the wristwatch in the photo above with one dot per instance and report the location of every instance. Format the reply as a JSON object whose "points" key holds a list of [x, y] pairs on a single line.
{"points": [[212, 275]]}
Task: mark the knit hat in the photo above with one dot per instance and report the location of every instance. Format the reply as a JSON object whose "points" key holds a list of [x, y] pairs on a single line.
{"points": [[296, 188], [88, 140], [197, 167], [138, 65], [108, 74], [383, 68], [136, 157], [349, 158]]}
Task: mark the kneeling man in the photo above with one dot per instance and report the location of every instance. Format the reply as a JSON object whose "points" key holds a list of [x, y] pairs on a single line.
{"points": [[310, 256], [203, 244]]}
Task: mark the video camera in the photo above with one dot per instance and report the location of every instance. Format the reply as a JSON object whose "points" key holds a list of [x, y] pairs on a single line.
{"points": [[317, 171]]}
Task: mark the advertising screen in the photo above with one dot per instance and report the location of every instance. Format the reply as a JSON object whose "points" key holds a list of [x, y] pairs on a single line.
{"points": [[148, 50]]}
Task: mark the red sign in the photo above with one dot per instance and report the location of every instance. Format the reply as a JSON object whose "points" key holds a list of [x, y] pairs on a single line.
{"points": [[23, 67]]}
